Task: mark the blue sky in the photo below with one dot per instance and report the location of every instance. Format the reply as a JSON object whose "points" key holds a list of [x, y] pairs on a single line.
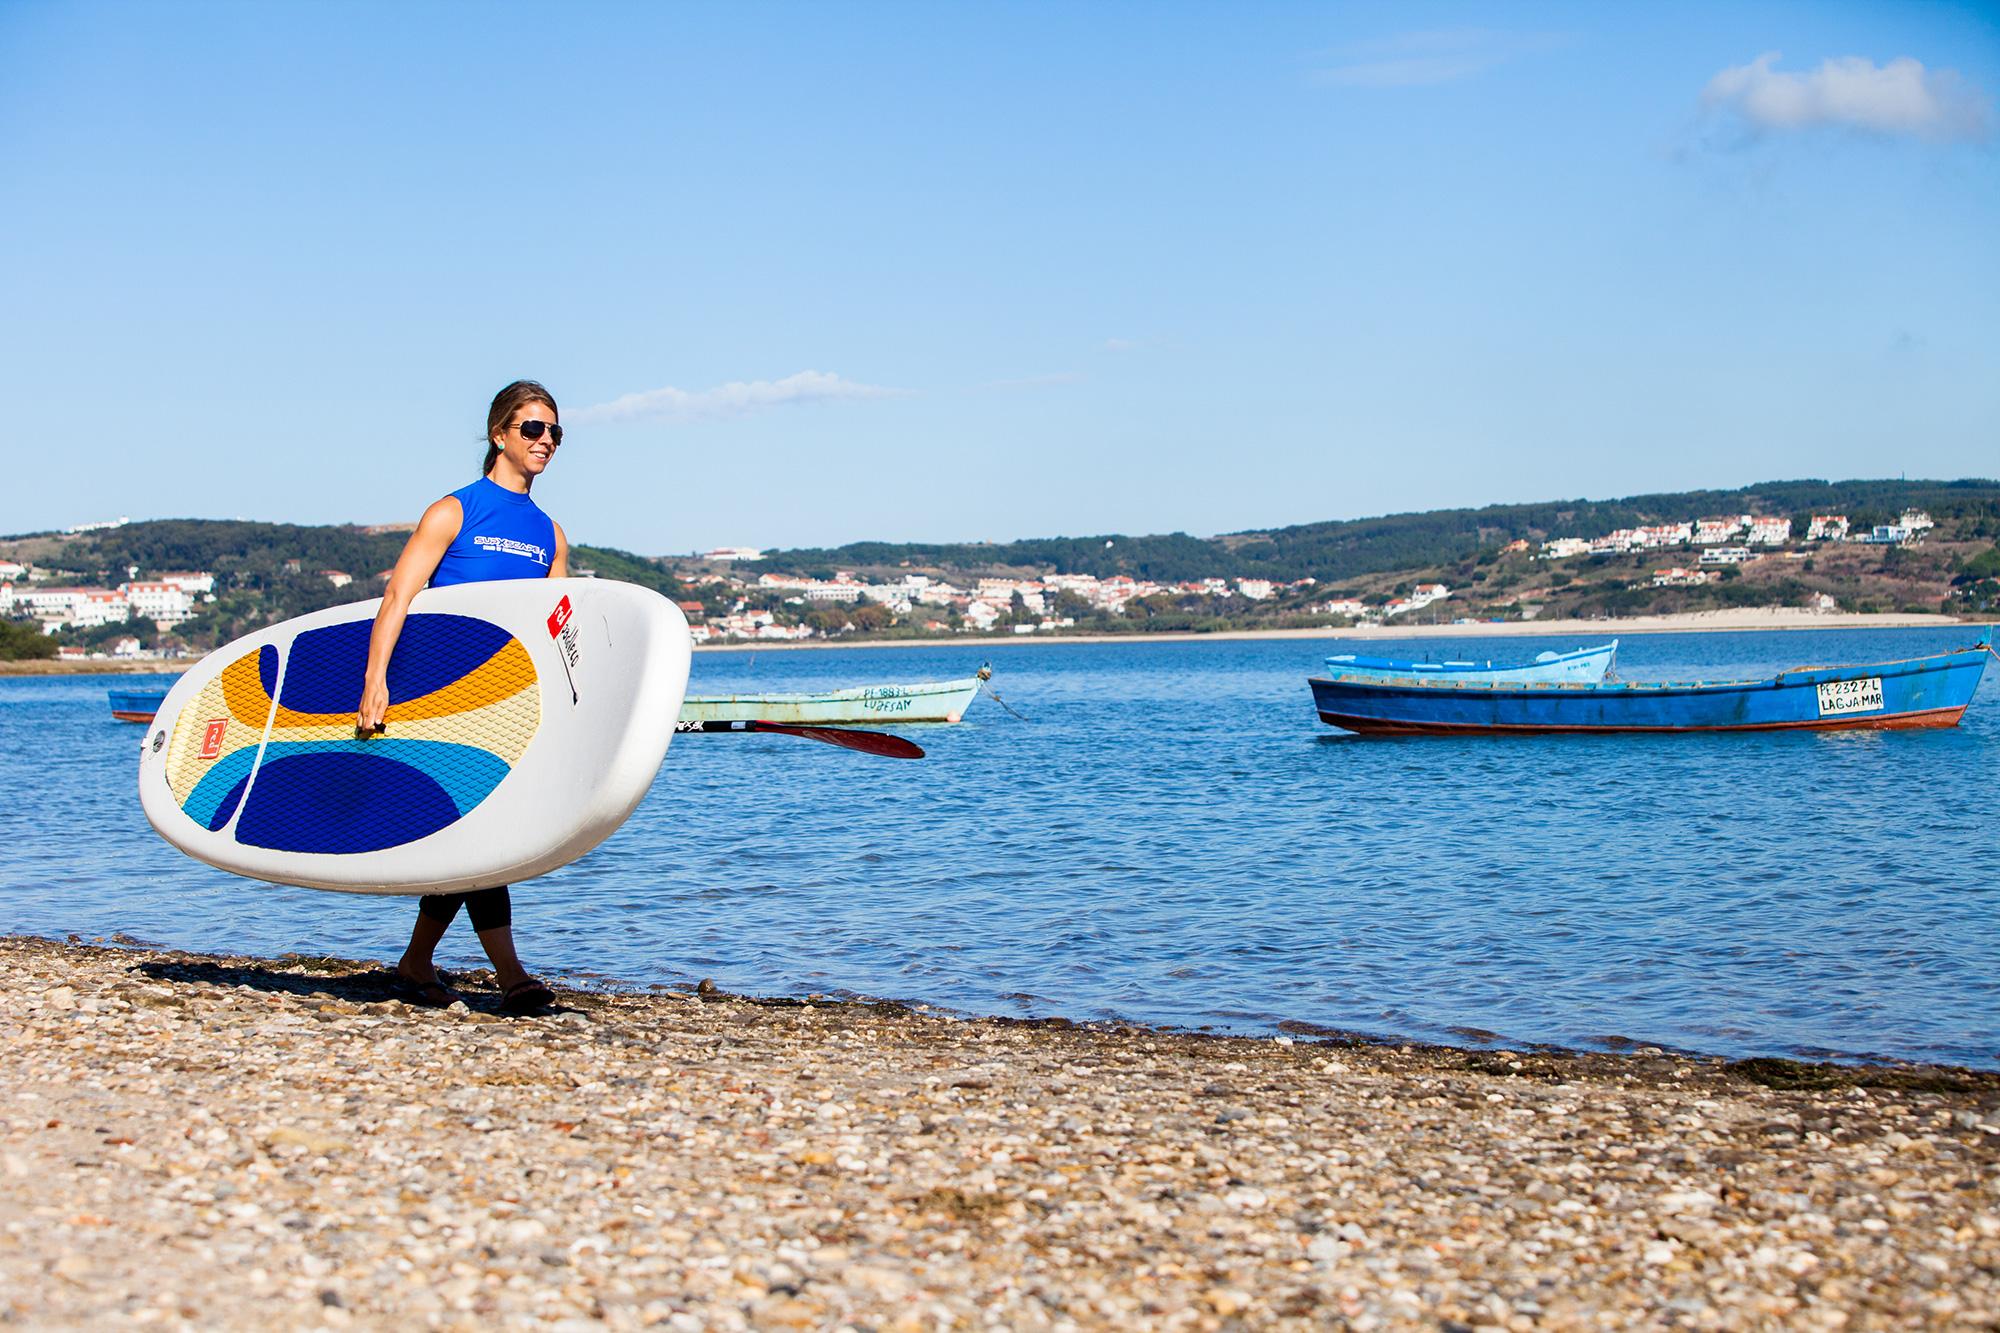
{"points": [[803, 274]]}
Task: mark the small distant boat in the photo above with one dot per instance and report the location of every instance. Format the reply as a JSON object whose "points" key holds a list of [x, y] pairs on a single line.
{"points": [[1928, 691], [136, 705], [932, 701], [1587, 665]]}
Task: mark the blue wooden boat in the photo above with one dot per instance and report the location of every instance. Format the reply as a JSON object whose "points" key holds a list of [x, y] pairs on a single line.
{"points": [[136, 705], [1917, 692], [1587, 665]]}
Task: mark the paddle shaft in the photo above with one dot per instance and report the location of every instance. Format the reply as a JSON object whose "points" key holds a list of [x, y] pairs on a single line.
{"points": [[868, 742]]}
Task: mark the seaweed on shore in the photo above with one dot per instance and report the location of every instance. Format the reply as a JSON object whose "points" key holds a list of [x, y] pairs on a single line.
{"points": [[1801, 1076]]}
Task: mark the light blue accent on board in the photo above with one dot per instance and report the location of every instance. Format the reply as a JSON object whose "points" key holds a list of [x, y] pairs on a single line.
{"points": [[467, 773], [217, 783]]}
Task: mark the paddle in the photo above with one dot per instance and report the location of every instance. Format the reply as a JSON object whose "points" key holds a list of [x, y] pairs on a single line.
{"points": [[868, 742]]}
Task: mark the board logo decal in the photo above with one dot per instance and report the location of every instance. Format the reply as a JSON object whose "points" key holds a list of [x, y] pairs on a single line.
{"points": [[565, 633], [208, 761]]}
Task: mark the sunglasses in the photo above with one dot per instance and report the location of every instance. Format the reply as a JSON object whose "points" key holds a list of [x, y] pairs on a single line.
{"points": [[532, 430]]}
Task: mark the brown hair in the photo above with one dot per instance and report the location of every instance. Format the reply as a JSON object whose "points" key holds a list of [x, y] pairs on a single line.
{"points": [[505, 404]]}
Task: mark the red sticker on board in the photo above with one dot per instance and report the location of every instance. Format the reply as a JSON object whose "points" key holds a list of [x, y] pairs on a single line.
{"points": [[559, 617], [211, 740]]}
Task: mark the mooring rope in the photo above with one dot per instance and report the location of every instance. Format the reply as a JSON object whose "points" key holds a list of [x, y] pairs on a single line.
{"points": [[986, 682]]}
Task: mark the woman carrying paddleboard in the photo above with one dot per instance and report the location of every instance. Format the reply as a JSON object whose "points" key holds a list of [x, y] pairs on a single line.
{"points": [[490, 529]]}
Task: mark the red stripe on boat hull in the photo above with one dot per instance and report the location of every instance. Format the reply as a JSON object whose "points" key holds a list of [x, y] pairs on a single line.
{"points": [[125, 716], [1370, 726]]}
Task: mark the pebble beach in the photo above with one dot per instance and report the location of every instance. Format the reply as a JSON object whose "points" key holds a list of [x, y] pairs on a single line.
{"points": [[213, 1142]]}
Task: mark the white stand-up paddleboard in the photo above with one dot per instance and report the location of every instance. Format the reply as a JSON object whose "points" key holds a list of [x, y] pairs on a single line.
{"points": [[527, 718]]}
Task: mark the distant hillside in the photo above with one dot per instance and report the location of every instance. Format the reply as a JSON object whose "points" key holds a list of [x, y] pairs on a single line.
{"points": [[266, 572], [1338, 550]]}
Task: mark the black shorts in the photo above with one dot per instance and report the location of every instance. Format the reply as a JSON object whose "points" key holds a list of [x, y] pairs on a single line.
{"points": [[489, 909]]}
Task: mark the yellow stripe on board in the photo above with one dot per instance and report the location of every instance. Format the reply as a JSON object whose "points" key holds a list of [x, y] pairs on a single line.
{"points": [[243, 689], [503, 727], [502, 675]]}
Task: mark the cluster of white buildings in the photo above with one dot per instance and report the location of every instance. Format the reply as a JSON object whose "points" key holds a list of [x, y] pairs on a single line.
{"points": [[749, 626], [1037, 595], [167, 600], [1744, 530], [1749, 529], [978, 606], [1420, 596], [1905, 531]]}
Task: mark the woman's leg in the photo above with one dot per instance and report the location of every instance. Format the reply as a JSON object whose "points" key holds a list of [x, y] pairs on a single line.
{"points": [[434, 914], [492, 913]]}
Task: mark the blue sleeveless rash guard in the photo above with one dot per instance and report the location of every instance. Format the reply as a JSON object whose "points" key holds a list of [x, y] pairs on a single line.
{"points": [[501, 536]]}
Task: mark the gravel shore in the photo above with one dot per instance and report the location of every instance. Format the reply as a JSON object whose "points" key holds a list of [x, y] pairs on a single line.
{"points": [[235, 1143]]}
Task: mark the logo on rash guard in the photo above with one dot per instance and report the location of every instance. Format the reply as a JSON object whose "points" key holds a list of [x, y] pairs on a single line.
{"points": [[508, 546]]}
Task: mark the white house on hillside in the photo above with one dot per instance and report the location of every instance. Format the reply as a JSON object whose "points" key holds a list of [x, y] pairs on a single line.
{"points": [[1769, 532]]}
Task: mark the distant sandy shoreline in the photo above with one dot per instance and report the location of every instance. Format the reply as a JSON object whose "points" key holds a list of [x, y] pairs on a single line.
{"points": [[142, 667], [1691, 622]]}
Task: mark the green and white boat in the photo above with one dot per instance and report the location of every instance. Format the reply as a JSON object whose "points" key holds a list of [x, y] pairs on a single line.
{"points": [[930, 701]]}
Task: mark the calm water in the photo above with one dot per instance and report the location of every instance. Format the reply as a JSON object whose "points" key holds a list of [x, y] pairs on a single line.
{"points": [[1173, 837]]}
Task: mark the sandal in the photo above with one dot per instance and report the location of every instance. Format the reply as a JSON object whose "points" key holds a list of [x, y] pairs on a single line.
{"points": [[526, 997], [425, 994]]}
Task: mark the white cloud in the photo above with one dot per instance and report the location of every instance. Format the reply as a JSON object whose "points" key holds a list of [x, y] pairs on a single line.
{"points": [[1425, 59], [1851, 92], [734, 399], [1120, 344]]}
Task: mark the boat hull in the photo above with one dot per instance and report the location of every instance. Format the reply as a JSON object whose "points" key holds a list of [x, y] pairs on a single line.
{"points": [[1370, 726], [933, 701], [1918, 693], [136, 705]]}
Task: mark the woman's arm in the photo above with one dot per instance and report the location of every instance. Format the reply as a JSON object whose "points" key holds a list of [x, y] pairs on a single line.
{"points": [[559, 567], [414, 568]]}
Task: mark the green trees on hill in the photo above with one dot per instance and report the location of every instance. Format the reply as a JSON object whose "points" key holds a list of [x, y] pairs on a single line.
{"points": [[1985, 565], [1349, 548], [250, 553], [20, 642], [608, 562]]}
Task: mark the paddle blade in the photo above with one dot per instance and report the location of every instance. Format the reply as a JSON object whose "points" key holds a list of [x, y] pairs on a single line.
{"points": [[868, 742]]}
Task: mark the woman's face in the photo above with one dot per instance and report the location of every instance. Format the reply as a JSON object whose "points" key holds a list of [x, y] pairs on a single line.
{"points": [[530, 456]]}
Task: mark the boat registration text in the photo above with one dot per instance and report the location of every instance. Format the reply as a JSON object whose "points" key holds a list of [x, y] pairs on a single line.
{"points": [[1850, 696]]}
